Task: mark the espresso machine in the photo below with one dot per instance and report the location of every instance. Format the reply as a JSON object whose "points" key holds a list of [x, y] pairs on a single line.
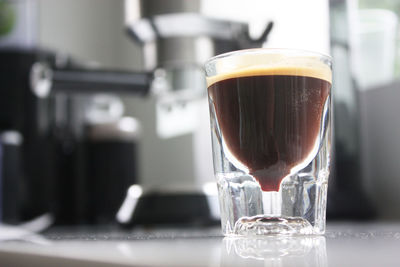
{"points": [[60, 122], [177, 184], [80, 157]]}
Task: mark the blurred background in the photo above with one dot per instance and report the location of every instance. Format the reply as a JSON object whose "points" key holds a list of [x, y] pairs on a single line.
{"points": [[104, 116]]}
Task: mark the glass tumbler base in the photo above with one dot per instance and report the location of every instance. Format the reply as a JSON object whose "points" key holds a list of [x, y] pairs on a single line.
{"points": [[264, 225]]}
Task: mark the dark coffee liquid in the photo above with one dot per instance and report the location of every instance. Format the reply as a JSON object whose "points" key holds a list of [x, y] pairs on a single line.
{"points": [[270, 123]]}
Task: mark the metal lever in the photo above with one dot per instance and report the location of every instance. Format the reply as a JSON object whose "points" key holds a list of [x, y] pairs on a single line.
{"points": [[44, 81], [264, 36], [246, 41]]}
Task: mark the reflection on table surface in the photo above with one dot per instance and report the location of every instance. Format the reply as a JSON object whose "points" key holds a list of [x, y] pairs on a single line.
{"points": [[274, 251], [346, 244]]}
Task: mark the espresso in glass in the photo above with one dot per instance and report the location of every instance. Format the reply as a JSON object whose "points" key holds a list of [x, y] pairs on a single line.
{"points": [[271, 140], [270, 122]]}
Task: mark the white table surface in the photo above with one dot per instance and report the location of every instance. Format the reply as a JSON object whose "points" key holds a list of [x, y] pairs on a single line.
{"points": [[344, 244]]}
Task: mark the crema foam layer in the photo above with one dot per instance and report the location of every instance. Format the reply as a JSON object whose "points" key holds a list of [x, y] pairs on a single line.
{"points": [[269, 64]]}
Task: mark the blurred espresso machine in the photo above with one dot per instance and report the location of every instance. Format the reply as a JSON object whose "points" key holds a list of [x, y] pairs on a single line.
{"points": [[66, 148], [73, 151], [177, 183]]}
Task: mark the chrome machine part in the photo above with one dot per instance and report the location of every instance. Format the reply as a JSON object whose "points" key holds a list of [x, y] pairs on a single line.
{"points": [[40, 78], [177, 34], [176, 40]]}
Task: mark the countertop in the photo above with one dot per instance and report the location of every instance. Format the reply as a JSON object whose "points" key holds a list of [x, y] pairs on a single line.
{"points": [[344, 244]]}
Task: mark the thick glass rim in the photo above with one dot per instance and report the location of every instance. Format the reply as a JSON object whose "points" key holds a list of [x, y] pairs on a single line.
{"points": [[284, 51]]}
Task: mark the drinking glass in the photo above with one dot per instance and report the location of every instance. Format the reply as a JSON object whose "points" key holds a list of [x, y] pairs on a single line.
{"points": [[271, 138]]}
